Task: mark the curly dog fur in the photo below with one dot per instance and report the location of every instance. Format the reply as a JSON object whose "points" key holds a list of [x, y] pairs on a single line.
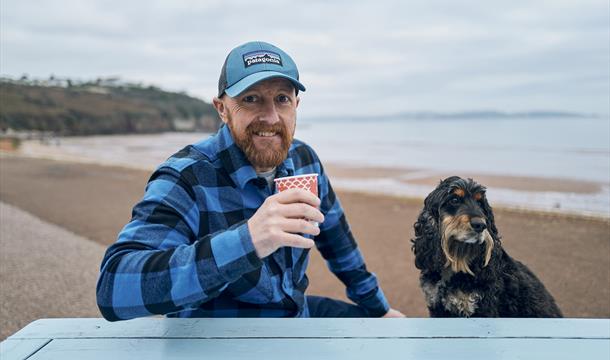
{"points": [[465, 272]]}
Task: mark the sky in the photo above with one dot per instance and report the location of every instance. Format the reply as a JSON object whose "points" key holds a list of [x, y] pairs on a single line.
{"points": [[356, 58]]}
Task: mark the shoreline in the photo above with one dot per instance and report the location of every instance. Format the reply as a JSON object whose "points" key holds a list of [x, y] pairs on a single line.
{"points": [[413, 184], [556, 196], [431, 177], [504, 208]]}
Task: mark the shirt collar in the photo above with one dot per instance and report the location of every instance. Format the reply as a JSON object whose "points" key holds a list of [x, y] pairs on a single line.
{"points": [[237, 164]]}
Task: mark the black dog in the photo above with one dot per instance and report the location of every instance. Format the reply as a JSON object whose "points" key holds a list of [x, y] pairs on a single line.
{"points": [[465, 272]]}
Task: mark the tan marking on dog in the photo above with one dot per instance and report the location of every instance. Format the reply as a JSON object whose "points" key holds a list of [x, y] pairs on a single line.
{"points": [[461, 303], [452, 225], [459, 256], [489, 246], [478, 196], [459, 192]]}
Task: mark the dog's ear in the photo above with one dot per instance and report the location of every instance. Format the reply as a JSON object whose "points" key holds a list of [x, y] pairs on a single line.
{"points": [[426, 244]]}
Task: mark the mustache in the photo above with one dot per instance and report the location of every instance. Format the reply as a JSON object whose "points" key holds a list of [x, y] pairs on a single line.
{"points": [[261, 126]]}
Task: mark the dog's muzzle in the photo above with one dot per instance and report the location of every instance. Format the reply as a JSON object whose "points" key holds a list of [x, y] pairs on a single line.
{"points": [[461, 238]]}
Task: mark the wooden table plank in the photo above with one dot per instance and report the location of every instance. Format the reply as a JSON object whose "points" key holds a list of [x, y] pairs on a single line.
{"points": [[353, 349], [21, 349], [317, 328], [160, 338]]}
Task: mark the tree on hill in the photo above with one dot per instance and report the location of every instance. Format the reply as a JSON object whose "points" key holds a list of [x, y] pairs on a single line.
{"points": [[95, 108]]}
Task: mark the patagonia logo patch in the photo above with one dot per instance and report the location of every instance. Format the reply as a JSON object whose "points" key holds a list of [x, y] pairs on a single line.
{"points": [[262, 57]]}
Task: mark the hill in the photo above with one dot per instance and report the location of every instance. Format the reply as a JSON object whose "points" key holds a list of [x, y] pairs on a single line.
{"points": [[100, 107]]}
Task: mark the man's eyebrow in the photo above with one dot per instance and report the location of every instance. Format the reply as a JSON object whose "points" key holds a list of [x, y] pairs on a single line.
{"points": [[286, 88]]}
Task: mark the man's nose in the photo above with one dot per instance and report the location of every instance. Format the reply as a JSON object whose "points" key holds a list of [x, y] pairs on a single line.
{"points": [[269, 113], [478, 224]]}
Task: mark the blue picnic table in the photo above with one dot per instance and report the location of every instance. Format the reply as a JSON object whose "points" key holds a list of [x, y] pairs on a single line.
{"points": [[410, 338]]}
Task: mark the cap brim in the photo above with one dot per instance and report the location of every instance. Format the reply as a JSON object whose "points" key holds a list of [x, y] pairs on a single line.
{"points": [[245, 83]]}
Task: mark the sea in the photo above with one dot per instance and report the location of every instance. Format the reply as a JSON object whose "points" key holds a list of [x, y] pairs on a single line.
{"points": [[557, 148]]}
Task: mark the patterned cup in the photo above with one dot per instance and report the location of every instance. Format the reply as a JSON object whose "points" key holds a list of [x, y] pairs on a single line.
{"points": [[307, 182]]}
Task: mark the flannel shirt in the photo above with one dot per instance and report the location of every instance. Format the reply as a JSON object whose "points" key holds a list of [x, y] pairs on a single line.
{"points": [[187, 251]]}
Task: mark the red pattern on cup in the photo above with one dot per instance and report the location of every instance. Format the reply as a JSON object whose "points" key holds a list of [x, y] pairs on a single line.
{"points": [[306, 181]]}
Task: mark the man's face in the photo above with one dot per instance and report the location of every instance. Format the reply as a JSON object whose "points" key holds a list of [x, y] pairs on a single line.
{"points": [[262, 121]]}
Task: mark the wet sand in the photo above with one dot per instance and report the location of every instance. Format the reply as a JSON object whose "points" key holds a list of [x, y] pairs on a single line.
{"points": [[431, 179], [570, 254]]}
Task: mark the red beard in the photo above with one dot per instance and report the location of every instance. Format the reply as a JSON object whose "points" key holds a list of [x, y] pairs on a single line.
{"points": [[270, 156]]}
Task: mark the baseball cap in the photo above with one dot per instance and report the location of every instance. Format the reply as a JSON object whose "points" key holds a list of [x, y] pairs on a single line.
{"points": [[253, 62]]}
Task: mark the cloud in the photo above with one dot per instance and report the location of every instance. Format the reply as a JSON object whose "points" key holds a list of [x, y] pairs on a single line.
{"points": [[355, 58]]}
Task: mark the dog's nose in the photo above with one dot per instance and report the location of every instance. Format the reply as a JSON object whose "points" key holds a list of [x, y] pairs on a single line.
{"points": [[478, 224]]}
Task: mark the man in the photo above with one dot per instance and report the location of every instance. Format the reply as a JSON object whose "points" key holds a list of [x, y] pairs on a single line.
{"points": [[211, 239]]}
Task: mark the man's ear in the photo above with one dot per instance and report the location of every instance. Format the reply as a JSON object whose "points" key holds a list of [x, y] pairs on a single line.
{"points": [[220, 107], [298, 101]]}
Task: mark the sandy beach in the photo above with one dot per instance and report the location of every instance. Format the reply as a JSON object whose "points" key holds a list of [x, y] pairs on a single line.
{"points": [[45, 271], [570, 254]]}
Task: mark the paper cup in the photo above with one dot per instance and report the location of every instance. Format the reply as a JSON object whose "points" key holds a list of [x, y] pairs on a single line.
{"points": [[306, 181]]}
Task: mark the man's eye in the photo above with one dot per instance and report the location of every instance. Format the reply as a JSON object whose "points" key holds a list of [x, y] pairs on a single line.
{"points": [[250, 98], [283, 99]]}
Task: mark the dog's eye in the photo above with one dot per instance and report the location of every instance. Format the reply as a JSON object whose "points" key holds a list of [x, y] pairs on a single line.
{"points": [[455, 201]]}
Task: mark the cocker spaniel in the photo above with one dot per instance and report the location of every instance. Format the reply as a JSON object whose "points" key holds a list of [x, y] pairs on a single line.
{"points": [[465, 272]]}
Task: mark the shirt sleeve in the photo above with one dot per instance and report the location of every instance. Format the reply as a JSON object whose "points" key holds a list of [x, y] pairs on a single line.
{"points": [[338, 247], [161, 264]]}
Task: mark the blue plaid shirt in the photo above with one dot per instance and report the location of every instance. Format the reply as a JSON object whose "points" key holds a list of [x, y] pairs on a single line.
{"points": [[187, 251]]}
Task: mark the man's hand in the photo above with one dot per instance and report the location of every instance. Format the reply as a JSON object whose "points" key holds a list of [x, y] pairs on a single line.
{"points": [[393, 314], [281, 218]]}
